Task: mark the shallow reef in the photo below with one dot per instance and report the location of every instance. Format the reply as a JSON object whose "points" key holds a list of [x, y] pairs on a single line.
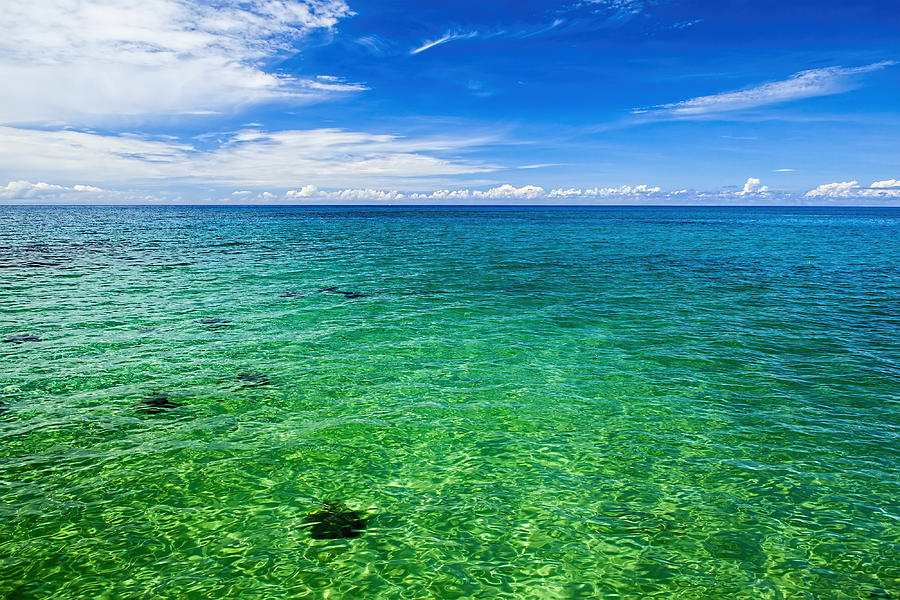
{"points": [[335, 521], [214, 322], [253, 379], [20, 338], [346, 293], [157, 403]]}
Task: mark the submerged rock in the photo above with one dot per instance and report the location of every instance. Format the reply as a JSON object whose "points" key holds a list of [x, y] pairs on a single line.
{"points": [[335, 521], [158, 403], [346, 293], [20, 338], [214, 322], [254, 379]]}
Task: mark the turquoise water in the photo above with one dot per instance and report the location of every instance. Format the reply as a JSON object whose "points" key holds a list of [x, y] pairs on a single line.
{"points": [[520, 403]]}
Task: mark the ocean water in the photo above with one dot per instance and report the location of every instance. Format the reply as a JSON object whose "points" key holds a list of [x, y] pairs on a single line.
{"points": [[544, 403]]}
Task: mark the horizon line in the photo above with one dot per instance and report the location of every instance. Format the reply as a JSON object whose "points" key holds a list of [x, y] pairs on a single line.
{"points": [[402, 205]]}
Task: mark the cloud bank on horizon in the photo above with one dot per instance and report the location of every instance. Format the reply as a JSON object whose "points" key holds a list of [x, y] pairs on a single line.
{"points": [[295, 101], [753, 193]]}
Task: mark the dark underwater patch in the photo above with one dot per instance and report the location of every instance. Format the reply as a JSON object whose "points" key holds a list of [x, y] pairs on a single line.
{"points": [[254, 379], [157, 403], [214, 322], [21, 338], [346, 293], [335, 521]]}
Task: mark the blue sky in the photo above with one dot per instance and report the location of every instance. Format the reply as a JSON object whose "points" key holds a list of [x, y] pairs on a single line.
{"points": [[604, 101]]}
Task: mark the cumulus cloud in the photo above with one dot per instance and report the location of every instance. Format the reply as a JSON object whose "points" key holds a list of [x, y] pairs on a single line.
{"points": [[527, 192], [16, 190], [349, 196], [505, 194], [889, 184], [753, 192], [753, 186], [625, 190], [836, 189], [805, 84], [889, 188], [78, 59], [307, 191]]}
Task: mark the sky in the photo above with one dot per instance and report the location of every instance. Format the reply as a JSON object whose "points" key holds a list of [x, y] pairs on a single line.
{"points": [[418, 102]]}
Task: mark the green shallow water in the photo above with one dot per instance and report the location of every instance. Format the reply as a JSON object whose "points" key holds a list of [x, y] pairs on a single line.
{"points": [[526, 403]]}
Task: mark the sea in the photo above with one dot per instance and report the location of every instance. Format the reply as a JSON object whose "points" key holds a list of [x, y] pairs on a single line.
{"points": [[374, 403]]}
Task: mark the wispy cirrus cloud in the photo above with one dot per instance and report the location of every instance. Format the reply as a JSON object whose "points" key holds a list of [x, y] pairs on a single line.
{"points": [[249, 157], [624, 7], [502, 32], [805, 84], [83, 60], [447, 37], [584, 13]]}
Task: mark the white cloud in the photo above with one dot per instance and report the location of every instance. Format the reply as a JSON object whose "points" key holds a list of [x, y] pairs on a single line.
{"points": [[805, 84], [837, 189], [753, 186], [889, 188], [447, 37], [530, 194], [540, 165], [247, 158], [15, 190], [506, 191], [503, 192], [505, 32], [625, 190], [622, 8], [307, 191], [330, 83], [686, 24], [21, 191], [350, 196], [886, 184], [79, 60], [784, 170]]}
